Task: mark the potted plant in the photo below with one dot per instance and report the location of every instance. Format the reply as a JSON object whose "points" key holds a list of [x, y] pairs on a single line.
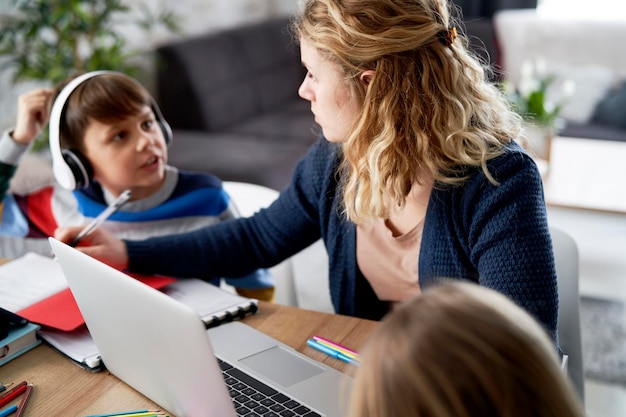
{"points": [[48, 40], [532, 99]]}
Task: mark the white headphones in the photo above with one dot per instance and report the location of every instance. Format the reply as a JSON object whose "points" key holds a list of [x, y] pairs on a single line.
{"points": [[71, 169]]}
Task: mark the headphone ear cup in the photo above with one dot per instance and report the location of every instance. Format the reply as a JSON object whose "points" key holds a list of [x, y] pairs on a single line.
{"points": [[80, 167]]}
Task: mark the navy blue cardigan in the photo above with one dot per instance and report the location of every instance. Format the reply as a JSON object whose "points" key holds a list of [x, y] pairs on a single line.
{"points": [[496, 235]]}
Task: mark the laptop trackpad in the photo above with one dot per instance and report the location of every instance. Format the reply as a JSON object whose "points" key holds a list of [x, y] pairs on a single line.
{"points": [[292, 369]]}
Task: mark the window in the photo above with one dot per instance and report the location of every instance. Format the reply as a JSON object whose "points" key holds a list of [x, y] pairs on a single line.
{"points": [[596, 9]]}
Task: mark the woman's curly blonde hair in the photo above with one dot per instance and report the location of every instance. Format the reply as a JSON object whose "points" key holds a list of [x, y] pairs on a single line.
{"points": [[428, 112]]}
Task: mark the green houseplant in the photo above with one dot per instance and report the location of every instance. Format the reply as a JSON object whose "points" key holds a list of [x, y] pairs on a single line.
{"points": [[534, 105], [532, 100], [47, 40]]}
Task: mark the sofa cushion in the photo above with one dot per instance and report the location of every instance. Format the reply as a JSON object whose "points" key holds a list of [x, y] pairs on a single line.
{"points": [[291, 122], [482, 38], [237, 157], [214, 81], [590, 83], [611, 110], [593, 131]]}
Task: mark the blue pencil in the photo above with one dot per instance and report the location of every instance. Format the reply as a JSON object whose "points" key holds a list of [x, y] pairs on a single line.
{"points": [[8, 411], [331, 352], [123, 413]]}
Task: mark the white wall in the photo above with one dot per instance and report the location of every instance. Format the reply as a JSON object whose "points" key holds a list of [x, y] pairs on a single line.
{"points": [[568, 9], [196, 16]]}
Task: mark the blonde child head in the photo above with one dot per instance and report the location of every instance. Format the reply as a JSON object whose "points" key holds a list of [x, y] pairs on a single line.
{"points": [[461, 350]]}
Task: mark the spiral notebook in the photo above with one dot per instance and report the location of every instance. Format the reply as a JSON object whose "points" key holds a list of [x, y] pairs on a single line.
{"points": [[36, 280], [214, 306]]}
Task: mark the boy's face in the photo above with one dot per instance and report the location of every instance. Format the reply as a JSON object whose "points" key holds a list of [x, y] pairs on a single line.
{"points": [[127, 154]]}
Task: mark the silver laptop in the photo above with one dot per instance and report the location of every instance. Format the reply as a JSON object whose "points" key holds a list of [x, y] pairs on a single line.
{"points": [[160, 347]]}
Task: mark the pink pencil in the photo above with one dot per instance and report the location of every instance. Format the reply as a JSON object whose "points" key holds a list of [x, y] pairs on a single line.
{"points": [[346, 351]]}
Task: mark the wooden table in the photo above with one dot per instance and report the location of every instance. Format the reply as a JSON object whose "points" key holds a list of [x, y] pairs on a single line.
{"points": [[63, 389], [588, 174]]}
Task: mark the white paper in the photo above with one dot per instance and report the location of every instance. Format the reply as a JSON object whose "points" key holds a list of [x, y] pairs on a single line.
{"points": [[32, 278], [28, 280]]}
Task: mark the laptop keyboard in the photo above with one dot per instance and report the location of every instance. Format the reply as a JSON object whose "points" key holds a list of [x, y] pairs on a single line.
{"points": [[252, 398]]}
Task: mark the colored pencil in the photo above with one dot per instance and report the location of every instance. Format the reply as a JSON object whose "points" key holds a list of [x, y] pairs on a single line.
{"points": [[24, 400], [11, 394], [147, 414], [331, 352], [346, 351], [123, 413], [8, 411], [135, 413]]}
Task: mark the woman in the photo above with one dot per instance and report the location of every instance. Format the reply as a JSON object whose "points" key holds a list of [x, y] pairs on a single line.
{"points": [[461, 350], [416, 174]]}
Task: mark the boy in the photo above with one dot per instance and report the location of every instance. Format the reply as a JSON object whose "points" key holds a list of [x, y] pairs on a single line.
{"points": [[107, 135]]}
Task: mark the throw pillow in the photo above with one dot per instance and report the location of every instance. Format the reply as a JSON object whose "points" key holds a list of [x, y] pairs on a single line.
{"points": [[591, 83], [611, 110]]}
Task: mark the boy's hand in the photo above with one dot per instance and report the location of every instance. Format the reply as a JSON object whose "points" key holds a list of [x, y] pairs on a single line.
{"points": [[98, 244], [32, 115]]}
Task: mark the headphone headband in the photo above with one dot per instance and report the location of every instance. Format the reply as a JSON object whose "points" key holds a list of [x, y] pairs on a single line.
{"points": [[62, 171], [71, 169]]}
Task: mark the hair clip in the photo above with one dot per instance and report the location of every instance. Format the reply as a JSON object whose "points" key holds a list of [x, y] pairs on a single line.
{"points": [[447, 37]]}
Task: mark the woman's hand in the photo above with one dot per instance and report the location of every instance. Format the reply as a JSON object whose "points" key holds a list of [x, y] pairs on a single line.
{"points": [[32, 115], [98, 244]]}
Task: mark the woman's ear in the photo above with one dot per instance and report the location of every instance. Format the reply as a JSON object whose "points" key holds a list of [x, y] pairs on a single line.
{"points": [[366, 77]]}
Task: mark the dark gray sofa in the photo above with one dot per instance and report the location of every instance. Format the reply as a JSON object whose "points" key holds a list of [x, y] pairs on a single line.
{"points": [[231, 99]]}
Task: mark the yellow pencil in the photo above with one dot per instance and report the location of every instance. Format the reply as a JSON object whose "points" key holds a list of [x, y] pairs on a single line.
{"points": [[346, 351], [146, 414], [136, 413]]}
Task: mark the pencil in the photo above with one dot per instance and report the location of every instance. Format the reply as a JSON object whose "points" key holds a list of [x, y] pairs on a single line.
{"points": [[331, 352], [119, 414], [135, 413], [122, 413], [346, 351], [24, 400], [101, 218], [11, 394], [8, 411]]}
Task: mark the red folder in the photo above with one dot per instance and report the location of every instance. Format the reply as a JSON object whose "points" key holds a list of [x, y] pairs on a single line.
{"points": [[60, 310]]}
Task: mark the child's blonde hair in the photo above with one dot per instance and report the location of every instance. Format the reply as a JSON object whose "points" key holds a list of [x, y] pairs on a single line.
{"points": [[461, 350]]}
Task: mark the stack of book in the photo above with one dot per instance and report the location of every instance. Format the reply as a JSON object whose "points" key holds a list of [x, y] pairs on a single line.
{"points": [[17, 336]]}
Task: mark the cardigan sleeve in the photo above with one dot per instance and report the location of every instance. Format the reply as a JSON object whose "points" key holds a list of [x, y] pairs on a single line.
{"points": [[508, 239], [495, 235], [236, 247]]}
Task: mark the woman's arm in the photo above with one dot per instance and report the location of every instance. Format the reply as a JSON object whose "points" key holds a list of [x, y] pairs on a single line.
{"points": [[233, 247], [509, 240]]}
